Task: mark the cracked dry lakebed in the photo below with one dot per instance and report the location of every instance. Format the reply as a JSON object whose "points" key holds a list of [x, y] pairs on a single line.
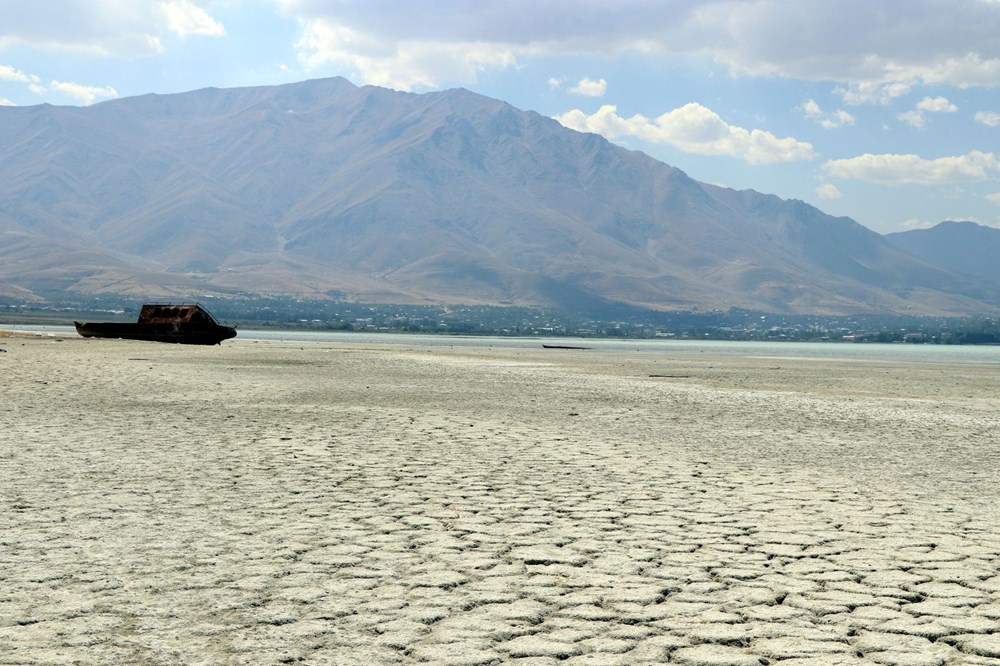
{"points": [[273, 502]]}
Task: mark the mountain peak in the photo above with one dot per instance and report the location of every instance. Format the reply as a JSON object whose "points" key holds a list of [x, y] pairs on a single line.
{"points": [[961, 246], [321, 186]]}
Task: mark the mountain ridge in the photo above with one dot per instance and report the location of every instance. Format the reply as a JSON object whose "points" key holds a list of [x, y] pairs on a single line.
{"points": [[960, 246], [322, 187]]}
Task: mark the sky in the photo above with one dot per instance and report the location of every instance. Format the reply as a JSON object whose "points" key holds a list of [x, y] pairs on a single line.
{"points": [[885, 111]]}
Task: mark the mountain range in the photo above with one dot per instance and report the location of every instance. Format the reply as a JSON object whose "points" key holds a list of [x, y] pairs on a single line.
{"points": [[963, 247], [323, 189]]}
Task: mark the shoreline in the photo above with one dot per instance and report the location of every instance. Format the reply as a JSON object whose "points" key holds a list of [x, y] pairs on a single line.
{"points": [[305, 333], [984, 352]]}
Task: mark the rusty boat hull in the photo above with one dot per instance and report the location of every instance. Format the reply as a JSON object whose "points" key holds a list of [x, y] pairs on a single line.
{"points": [[177, 324]]}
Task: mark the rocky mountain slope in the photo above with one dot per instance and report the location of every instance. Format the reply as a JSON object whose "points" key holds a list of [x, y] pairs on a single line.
{"points": [[323, 188], [963, 247]]}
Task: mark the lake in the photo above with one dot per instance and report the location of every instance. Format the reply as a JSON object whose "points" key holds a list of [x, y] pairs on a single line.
{"points": [[916, 353]]}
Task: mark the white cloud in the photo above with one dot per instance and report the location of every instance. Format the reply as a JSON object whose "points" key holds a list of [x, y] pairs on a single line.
{"points": [[811, 109], [8, 73], [556, 83], [913, 118], [936, 105], [404, 65], [86, 94], [890, 169], [590, 87], [186, 18], [104, 27], [826, 120], [988, 118], [966, 71], [692, 128], [31, 81], [994, 198], [839, 118], [874, 51], [6, 102], [873, 92], [918, 116], [828, 191]]}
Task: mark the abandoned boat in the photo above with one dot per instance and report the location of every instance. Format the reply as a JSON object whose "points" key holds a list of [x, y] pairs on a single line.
{"points": [[182, 324]]}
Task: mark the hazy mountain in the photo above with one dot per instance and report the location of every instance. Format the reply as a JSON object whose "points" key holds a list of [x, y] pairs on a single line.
{"points": [[964, 247], [323, 187]]}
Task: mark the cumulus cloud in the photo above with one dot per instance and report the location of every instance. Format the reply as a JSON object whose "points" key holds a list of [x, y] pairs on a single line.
{"points": [[875, 51], [404, 65], [692, 128], [918, 116], [590, 87], [872, 92], [185, 18], [826, 120], [863, 93], [555, 83], [31, 81], [988, 118], [891, 169], [8, 73], [913, 118], [104, 27], [936, 105], [828, 191], [994, 198], [85, 94], [82, 93]]}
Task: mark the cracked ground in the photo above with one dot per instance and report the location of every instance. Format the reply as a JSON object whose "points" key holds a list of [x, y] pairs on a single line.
{"points": [[321, 503]]}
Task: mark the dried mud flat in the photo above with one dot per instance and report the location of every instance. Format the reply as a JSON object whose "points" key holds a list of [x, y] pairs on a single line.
{"points": [[348, 504]]}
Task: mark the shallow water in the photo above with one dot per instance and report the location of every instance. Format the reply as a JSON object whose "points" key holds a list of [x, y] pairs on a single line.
{"points": [[916, 353]]}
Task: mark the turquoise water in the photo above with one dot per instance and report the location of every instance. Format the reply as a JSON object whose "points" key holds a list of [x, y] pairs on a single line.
{"points": [[976, 354]]}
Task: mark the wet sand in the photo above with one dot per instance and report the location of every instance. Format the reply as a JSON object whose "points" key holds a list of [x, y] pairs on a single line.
{"points": [[348, 504]]}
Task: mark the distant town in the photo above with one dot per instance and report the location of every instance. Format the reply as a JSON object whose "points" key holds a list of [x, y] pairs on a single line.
{"points": [[733, 324]]}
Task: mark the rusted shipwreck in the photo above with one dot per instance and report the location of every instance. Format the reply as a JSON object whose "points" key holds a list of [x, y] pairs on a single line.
{"points": [[182, 324]]}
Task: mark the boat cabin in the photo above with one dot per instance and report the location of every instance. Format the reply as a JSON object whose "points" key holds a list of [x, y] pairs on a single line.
{"points": [[154, 313]]}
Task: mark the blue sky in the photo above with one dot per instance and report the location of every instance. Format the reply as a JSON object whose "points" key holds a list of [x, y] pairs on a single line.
{"points": [[885, 111]]}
